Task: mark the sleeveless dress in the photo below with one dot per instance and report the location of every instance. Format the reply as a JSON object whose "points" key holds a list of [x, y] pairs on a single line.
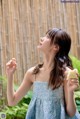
{"points": [[47, 103]]}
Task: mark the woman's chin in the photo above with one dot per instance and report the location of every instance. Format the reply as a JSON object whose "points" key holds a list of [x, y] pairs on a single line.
{"points": [[39, 47]]}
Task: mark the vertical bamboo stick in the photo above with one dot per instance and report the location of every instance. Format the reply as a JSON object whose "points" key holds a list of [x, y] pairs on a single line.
{"points": [[23, 22], [0, 38]]}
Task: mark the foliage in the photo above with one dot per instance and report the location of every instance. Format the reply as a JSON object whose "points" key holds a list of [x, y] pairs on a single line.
{"points": [[19, 111], [77, 99], [76, 63], [3, 98], [3, 81], [14, 112]]}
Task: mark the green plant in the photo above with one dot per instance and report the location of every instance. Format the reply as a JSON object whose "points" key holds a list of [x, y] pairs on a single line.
{"points": [[19, 111], [77, 99], [76, 63], [16, 112], [3, 97]]}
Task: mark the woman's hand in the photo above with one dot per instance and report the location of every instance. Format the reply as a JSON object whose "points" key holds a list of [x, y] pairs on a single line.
{"points": [[72, 79], [72, 84], [11, 67]]}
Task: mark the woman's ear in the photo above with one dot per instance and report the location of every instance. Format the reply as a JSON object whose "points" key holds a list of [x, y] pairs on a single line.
{"points": [[56, 48]]}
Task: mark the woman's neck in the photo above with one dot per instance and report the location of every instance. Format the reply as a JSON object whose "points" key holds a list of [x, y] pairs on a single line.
{"points": [[48, 61]]}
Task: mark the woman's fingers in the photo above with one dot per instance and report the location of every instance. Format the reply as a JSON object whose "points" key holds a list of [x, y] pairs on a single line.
{"points": [[11, 63], [14, 59], [11, 66], [74, 82]]}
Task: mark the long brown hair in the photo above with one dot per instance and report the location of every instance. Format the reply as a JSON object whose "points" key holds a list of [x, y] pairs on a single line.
{"points": [[61, 60]]}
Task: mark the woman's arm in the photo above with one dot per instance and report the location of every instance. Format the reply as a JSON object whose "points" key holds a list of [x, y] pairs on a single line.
{"points": [[15, 97], [69, 87]]}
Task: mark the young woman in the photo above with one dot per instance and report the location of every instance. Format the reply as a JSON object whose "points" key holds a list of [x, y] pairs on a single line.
{"points": [[53, 94]]}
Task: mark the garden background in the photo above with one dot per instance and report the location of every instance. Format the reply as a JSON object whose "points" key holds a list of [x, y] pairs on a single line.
{"points": [[23, 22]]}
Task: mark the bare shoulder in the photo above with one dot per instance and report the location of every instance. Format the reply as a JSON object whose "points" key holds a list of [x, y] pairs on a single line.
{"points": [[30, 70], [29, 74]]}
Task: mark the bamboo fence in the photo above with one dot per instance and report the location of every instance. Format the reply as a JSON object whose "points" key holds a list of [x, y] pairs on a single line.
{"points": [[23, 22]]}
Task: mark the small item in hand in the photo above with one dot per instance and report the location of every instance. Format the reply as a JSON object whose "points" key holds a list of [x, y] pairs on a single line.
{"points": [[72, 74]]}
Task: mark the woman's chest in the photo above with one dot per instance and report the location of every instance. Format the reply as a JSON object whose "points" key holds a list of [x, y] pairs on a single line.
{"points": [[43, 76]]}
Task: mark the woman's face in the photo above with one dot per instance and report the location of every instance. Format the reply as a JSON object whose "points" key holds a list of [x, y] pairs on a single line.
{"points": [[44, 44]]}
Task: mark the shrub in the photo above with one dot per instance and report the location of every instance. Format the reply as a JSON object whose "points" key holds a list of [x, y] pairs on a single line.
{"points": [[19, 111]]}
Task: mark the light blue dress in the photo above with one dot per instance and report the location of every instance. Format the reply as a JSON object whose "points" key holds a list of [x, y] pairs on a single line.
{"points": [[47, 103]]}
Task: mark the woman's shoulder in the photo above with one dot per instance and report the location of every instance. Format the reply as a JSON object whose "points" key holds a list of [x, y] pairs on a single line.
{"points": [[31, 69], [30, 73]]}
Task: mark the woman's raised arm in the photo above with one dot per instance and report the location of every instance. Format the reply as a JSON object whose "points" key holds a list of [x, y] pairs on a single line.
{"points": [[15, 97]]}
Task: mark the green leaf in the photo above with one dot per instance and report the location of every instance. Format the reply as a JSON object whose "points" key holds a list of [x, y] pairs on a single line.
{"points": [[78, 107]]}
